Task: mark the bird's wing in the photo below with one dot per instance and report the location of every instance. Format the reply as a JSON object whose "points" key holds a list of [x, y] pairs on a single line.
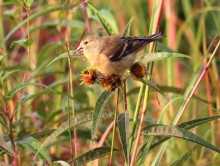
{"points": [[133, 45], [113, 47]]}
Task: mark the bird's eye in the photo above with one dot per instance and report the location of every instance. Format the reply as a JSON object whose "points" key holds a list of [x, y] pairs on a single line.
{"points": [[85, 42]]}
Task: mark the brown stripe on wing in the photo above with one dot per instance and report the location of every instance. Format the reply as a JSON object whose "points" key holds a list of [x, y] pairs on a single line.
{"points": [[120, 53]]}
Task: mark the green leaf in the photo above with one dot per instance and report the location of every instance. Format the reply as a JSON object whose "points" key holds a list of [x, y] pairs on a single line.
{"points": [[111, 19], [5, 146], [123, 125], [191, 88], [35, 95], [7, 74], [63, 55], [93, 154], [186, 125], [76, 120], [185, 157], [38, 135], [36, 147], [102, 20], [20, 2], [176, 90], [171, 131], [29, 3], [73, 23], [197, 122], [21, 86], [2, 58], [156, 56], [100, 104], [22, 42], [128, 27], [63, 163], [146, 82], [9, 3]]}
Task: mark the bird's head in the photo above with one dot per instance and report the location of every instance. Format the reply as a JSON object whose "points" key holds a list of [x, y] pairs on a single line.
{"points": [[85, 44]]}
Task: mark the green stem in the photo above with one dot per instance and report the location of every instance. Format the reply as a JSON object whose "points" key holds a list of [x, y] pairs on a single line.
{"points": [[113, 135], [70, 92], [136, 113]]}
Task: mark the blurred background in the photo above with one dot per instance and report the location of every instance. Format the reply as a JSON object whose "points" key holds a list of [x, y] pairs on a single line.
{"points": [[189, 26]]}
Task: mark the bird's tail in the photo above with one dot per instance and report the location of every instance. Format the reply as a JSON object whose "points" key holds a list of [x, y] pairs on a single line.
{"points": [[154, 37]]}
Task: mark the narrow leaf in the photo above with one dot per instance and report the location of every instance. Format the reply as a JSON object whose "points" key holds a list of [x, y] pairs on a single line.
{"points": [[63, 163], [185, 157], [102, 20], [29, 3], [146, 82], [38, 135], [37, 94], [128, 27], [100, 104], [76, 120], [5, 146], [171, 131], [123, 125], [21, 86], [156, 56], [93, 154], [22, 42], [63, 55], [187, 125], [7, 74], [197, 122], [34, 145]]}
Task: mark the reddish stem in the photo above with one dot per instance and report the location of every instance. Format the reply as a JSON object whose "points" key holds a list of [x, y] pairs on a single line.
{"points": [[102, 140], [138, 138], [85, 15]]}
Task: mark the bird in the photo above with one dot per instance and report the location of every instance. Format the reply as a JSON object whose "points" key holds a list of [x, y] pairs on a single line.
{"points": [[114, 55]]}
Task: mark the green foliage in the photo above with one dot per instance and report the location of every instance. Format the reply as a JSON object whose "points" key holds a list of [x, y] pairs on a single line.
{"points": [[93, 154], [123, 126], [24, 42], [103, 21], [43, 105], [99, 107]]}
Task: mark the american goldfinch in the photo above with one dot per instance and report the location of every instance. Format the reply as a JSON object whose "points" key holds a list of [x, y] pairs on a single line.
{"points": [[113, 54]]}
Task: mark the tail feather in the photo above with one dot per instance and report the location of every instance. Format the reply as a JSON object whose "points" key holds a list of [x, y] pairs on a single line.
{"points": [[156, 36]]}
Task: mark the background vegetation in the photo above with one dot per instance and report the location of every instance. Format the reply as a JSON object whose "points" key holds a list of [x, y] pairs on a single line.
{"points": [[48, 116]]}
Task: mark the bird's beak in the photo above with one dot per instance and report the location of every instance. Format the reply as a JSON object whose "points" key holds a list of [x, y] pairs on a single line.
{"points": [[79, 49]]}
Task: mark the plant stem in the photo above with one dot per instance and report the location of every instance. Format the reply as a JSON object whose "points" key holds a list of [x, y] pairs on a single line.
{"points": [[114, 128], [133, 135], [125, 96], [70, 93]]}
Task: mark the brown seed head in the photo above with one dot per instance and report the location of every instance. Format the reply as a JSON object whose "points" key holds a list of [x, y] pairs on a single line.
{"points": [[110, 83], [137, 71], [88, 76]]}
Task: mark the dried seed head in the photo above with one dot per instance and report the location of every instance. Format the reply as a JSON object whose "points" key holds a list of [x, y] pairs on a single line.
{"points": [[88, 76], [110, 83], [137, 71]]}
